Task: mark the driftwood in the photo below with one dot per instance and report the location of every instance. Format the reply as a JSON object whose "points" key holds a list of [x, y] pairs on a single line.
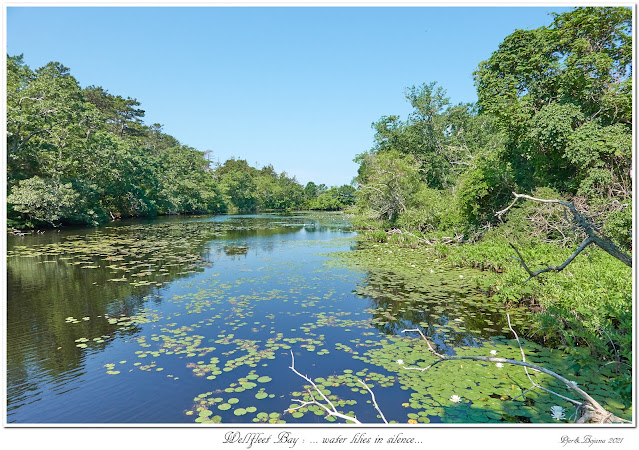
{"points": [[588, 410], [592, 232], [329, 407]]}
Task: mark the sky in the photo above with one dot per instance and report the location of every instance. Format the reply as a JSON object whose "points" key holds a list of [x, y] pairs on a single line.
{"points": [[296, 87]]}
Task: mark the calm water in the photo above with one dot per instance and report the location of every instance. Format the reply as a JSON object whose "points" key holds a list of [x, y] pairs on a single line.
{"points": [[172, 320]]}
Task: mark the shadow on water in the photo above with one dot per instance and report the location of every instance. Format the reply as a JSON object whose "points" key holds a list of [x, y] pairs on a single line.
{"points": [[79, 282], [450, 312], [193, 319]]}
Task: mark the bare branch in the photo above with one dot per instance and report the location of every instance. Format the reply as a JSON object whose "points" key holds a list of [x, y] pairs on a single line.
{"points": [[592, 409], [374, 401], [582, 222], [535, 384], [331, 410], [532, 274], [36, 99]]}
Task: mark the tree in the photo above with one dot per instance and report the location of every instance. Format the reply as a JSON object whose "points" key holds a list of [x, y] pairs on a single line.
{"points": [[310, 190], [45, 114], [121, 114], [84, 155], [385, 181], [562, 94], [50, 202], [237, 180], [422, 135]]}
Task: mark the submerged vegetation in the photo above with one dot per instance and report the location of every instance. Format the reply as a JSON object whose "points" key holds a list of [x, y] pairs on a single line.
{"points": [[554, 121]]}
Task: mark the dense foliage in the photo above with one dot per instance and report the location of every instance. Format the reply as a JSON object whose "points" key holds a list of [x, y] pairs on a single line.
{"points": [[83, 156], [553, 120], [554, 111]]}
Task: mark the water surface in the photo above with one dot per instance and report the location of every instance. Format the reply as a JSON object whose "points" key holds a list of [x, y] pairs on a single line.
{"points": [[193, 319]]}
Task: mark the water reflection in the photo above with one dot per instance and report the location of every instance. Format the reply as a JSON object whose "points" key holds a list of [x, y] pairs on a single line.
{"points": [[165, 305], [446, 309], [118, 270]]}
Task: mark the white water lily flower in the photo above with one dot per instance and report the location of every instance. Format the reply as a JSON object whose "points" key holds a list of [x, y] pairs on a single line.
{"points": [[493, 352], [432, 271], [461, 276], [500, 365], [455, 399], [557, 412], [400, 361]]}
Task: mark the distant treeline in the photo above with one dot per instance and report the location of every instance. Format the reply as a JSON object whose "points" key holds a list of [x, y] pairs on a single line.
{"points": [[84, 156]]}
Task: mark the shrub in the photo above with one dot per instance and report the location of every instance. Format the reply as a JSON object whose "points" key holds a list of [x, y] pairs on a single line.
{"points": [[52, 202], [427, 209], [484, 189]]}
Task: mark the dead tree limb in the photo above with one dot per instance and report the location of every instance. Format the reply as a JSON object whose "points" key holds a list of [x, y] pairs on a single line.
{"points": [[331, 410], [588, 411], [583, 222], [559, 268]]}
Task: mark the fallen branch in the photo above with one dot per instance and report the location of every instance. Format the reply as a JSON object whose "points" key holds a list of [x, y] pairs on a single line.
{"points": [[419, 239], [559, 268], [587, 411], [583, 222], [331, 410]]}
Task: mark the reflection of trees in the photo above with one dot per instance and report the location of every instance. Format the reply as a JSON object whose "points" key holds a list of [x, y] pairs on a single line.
{"points": [[399, 304], [254, 232], [46, 283], [40, 296]]}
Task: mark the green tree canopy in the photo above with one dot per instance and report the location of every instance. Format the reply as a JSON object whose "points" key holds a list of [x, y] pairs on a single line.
{"points": [[563, 95]]}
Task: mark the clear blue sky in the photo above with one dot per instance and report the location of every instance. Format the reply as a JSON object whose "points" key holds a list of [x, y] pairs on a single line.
{"points": [[295, 87]]}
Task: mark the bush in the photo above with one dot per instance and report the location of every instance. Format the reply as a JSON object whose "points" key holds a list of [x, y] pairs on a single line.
{"points": [[428, 209], [484, 190], [541, 222], [619, 225], [51, 202], [387, 182], [377, 236]]}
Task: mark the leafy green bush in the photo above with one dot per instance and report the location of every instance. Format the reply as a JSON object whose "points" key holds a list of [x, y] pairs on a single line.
{"points": [[387, 181], [619, 225], [377, 235], [540, 222], [428, 210], [484, 189], [47, 201]]}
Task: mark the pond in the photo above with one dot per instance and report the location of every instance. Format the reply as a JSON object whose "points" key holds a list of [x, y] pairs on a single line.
{"points": [[193, 319]]}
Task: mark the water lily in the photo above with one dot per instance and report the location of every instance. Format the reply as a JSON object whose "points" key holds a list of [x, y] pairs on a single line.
{"points": [[455, 398], [500, 365], [493, 352], [400, 361], [557, 412]]}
